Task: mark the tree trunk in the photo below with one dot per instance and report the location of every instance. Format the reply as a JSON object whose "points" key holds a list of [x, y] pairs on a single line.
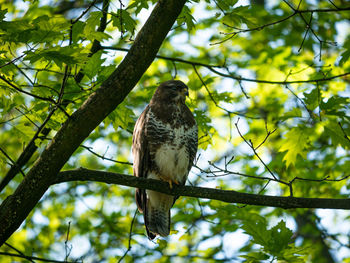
{"points": [[77, 128]]}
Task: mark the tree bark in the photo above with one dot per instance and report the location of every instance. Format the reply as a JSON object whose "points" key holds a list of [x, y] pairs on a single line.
{"points": [[112, 92], [228, 196]]}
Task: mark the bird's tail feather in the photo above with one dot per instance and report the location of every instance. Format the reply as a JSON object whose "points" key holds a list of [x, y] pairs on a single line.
{"points": [[157, 221]]}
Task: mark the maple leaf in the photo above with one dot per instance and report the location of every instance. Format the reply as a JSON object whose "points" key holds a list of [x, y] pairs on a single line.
{"points": [[295, 144]]}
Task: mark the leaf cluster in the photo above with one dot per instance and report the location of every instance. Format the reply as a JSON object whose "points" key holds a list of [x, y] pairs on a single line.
{"points": [[272, 69]]}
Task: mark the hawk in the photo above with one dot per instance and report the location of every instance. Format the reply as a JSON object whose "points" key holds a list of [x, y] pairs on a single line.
{"points": [[165, 141]]}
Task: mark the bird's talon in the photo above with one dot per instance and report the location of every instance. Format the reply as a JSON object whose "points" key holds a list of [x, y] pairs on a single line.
{"points": [[170, 184]]}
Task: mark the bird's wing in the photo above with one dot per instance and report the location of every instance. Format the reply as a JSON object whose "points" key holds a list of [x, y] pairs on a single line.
{"points": [[141, 156], [146, 134], [192, 145]]}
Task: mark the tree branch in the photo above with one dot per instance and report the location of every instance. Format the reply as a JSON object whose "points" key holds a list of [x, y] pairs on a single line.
{"points": [[103, 156], [96, 45], [83, 121], [31, 147], [26, 154], [26, 92], [31, 258], [227, 196], [213, 68]]}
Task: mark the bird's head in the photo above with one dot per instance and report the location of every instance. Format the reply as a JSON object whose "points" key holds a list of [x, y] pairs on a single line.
{"points": [[172, 90]]}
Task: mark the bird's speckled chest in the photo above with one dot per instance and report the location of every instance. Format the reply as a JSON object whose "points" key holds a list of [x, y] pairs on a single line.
{"points": [[169, 146], [172, 130]]}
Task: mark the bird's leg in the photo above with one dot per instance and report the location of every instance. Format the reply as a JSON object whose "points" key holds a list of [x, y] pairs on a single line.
{"points": [[170, 182]]}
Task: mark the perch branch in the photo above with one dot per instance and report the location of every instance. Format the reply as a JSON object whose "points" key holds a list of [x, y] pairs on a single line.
{"points": [[227, 196]]}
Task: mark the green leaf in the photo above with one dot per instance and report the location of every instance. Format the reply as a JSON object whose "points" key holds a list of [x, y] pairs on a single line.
{"points": [[297, 254], [335, 102], [93, 66], [92, 22], [226, 4], [139, 5], [90, 29], [294, 113], [312, 99], [2, 14], [255, 226], [335, 106], [48, 29], [77, 31], [280, 238], [238, 16], [254, 257], [344, 57], [99, 36], [273, 241], [334, 131], [187, 18], [16, 31], [162, 244], [69, 55], [43, 29], [205, 129], [295, 143], [123, 21], [122, 117]]}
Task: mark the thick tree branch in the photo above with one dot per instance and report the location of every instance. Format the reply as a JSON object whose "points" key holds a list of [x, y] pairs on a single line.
{"points": [[227, 196], [112, 92]]}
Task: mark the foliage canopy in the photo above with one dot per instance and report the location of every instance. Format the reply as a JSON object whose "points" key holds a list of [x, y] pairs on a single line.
{"points": [[269, 88]]}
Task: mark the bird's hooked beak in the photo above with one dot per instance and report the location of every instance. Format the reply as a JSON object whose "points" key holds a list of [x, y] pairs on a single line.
{"points": [[184, 92]]}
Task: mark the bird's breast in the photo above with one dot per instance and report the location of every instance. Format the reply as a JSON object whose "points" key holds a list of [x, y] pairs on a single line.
{"points": [[172, 156]]}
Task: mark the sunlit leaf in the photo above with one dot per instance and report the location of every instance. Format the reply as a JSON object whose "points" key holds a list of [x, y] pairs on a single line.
{"points": [[295, 143]]}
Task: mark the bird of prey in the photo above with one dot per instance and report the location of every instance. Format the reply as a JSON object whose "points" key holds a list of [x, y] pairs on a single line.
{"points": [[165, 141]]}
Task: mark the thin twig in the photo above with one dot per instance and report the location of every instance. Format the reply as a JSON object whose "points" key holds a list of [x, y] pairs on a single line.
{"points": [[308, 26], [300, 100], [26, 154], [130, 235], [268, 133], [26, 92], [31, 258], [250, 144], [12, 161], [19, 252], [84, 12], [102, 156], [212, 97], [12, 61], [67, 249], [24, 74], [344, 133], [241, 30], [25, 116]]}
